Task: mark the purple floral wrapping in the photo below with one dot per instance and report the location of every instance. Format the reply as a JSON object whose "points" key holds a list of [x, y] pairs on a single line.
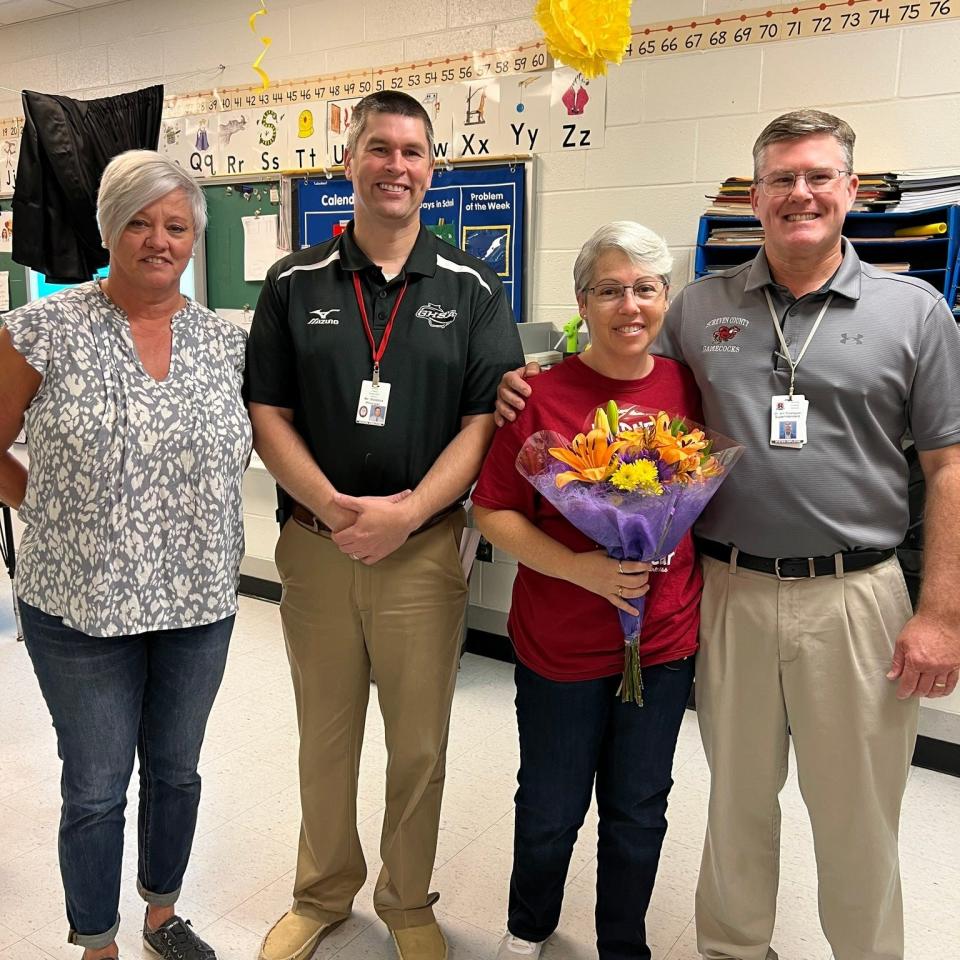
{"points": [[627, 526]]}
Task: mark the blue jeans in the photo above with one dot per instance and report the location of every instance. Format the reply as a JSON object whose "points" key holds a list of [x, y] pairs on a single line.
{"points": [[111, 697], [572, 734]]}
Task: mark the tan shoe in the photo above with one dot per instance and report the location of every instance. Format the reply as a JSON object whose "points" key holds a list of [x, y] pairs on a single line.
{"points": [[420, 943], [294, 937]]}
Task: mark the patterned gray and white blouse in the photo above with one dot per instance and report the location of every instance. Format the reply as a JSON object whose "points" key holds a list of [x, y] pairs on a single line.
{"points": [[133, 513]]}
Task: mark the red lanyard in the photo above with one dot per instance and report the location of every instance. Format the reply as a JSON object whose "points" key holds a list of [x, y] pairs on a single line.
{"points": [[377, 353]]}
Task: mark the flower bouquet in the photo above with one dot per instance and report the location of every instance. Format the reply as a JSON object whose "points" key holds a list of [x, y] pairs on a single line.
{"points": [[634, 482]]}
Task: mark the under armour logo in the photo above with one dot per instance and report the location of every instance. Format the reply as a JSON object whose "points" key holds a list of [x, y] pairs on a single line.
{"points": [[857, 338]]}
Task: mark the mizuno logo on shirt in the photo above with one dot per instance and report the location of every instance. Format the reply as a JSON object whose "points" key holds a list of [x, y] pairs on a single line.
{"points": [[323, 317], [436, 316]]}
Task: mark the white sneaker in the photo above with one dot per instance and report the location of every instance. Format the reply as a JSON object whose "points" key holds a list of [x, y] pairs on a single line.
{"points": [[511, 946]]}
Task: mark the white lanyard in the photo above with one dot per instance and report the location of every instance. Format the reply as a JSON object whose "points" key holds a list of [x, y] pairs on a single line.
{"points": [[784, 351]]}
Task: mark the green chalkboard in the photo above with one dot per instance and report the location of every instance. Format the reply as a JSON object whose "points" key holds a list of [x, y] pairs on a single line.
{"points": [[17, 274], [226, 207]]}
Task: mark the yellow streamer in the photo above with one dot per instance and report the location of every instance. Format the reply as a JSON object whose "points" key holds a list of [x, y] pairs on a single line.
{"points": [[261, 73], [585, 34]]}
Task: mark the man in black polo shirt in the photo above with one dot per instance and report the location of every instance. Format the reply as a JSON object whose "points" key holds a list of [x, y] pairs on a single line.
{"points": [[371, 374]]}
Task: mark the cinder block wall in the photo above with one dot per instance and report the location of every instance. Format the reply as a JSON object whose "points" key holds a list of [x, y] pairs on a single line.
{"points": [[676, 126]]}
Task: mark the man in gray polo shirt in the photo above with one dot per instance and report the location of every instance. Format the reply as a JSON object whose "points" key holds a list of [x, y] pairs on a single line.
{"points": [[806, 623]]}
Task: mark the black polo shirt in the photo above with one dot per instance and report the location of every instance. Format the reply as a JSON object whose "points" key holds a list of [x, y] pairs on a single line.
{"points": [[453, 338]]}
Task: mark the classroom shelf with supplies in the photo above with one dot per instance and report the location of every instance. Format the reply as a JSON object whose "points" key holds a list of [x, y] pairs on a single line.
{"points": [[919, 243]]}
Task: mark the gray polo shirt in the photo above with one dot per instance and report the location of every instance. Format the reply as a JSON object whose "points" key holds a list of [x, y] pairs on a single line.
{"points": [[884, 361]]}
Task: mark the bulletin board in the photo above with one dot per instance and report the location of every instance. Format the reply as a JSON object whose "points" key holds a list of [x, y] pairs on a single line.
{"points": [[480, 209], [226, 208], [17, 276]]}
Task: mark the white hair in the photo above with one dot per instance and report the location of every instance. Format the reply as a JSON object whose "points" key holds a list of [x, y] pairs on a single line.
{"points": [[640, 244], [136, 178]]}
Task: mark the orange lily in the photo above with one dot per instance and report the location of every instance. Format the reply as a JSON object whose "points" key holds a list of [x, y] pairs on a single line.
{"points": [[638, 439], [711, 468], [592, 457], [683, 450]]}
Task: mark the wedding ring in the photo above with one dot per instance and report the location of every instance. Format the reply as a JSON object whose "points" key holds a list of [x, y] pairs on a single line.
{"points": [[620, 566], [939, 684], [353, 556], [620, 592]]}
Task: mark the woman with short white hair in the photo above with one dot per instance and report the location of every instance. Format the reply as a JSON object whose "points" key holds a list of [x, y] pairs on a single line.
{"points": [[575, 734], [133, 535]]}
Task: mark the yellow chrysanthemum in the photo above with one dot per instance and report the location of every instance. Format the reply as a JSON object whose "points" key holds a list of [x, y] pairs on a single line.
{"points": [[638, 477], [585, 34]]}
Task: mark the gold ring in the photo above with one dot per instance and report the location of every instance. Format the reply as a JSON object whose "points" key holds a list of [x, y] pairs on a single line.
{"points": [[353, 556], [939, 684], [620, 592], [620, 566]]}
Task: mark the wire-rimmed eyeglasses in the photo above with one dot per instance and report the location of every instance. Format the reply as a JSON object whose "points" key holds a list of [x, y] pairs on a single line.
{"points": [[819, 180], [644, 290]]}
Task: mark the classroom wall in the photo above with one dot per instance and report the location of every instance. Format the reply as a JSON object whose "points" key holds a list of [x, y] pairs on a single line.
{"points": [[676, 126]]}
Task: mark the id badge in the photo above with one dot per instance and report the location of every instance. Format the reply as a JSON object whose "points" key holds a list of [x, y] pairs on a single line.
{"points": [[788, 421], [372, 408]]}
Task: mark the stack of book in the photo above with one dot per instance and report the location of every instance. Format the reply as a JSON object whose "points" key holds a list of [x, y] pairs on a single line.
{"points": [[732, 199], [877, 192], [736, 236], [920, 189]]}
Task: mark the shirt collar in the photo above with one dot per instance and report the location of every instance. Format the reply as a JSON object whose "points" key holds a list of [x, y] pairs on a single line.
{"points": [[422, 259], [845, 282]]}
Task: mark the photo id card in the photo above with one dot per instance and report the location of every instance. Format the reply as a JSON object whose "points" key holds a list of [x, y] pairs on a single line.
{"points": [[788, 421], [372, 408]]}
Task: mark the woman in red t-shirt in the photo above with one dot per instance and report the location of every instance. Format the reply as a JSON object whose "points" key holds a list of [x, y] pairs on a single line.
{"points": [[563, 621]]}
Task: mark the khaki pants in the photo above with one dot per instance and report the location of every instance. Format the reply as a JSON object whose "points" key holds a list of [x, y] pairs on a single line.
{"points": [[403, 618], [812, 654]]}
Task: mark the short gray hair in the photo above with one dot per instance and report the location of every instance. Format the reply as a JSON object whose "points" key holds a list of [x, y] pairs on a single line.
{"points": [[387, 101], [804, 123], [136, 178], [640, 244]]}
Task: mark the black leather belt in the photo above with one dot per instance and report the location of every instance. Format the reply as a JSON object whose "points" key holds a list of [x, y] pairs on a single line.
{"points": [[797, 568]]}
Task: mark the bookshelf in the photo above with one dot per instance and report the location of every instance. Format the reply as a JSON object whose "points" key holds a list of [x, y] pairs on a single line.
{"points": [[935, 259]]}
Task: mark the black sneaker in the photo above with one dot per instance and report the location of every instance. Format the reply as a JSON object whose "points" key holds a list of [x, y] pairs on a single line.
{"points": [[176, 940]]}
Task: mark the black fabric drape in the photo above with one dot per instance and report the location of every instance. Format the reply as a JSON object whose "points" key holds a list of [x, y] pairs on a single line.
{"points": [[66, 145]]}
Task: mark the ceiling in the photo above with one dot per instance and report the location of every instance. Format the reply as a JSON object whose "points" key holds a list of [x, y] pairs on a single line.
{"points": [[18, 11]]}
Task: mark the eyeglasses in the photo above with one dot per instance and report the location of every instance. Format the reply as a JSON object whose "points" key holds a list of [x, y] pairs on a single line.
{"points": [[820, 180], [643, 290]]}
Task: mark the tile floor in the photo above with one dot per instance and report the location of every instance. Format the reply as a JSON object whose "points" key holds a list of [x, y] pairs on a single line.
{"points": [[240, 876]]}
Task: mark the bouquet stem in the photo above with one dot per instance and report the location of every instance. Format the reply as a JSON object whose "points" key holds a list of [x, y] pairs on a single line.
{"points": [[631, 686]]}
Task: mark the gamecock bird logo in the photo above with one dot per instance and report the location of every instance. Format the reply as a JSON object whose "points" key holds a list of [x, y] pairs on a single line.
{"points": [[725, 334]]}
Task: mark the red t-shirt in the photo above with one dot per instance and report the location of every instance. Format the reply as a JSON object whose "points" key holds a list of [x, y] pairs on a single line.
{"points": [[560, 630]]}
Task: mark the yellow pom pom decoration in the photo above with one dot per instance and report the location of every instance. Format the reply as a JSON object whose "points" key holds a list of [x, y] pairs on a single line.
{"points": [[585, 34]]}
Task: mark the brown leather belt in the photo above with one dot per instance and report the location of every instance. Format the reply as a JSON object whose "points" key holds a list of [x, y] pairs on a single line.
{"points": [[306, 519], [315, 525]]}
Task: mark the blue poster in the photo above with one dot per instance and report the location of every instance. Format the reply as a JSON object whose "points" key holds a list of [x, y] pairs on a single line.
{"points": [[479, 209]]}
